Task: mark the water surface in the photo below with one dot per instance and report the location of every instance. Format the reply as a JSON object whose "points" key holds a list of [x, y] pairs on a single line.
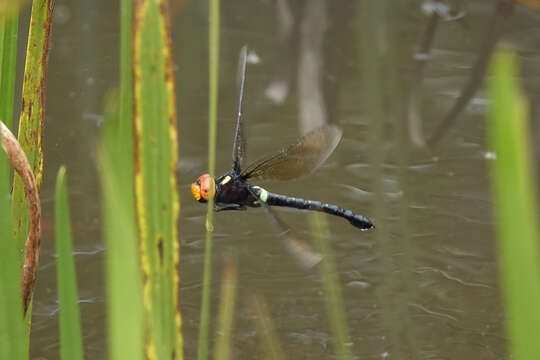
{"points": [[422, 285]]}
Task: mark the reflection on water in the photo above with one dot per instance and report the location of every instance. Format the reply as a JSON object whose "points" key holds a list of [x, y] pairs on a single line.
{"points": [[422, 285]]}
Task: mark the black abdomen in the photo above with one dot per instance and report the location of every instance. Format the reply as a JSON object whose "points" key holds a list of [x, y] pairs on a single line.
{"points": [[356, 220]]}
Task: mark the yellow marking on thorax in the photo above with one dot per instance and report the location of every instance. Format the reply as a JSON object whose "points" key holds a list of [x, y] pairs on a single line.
{"points": [[225, 180]]}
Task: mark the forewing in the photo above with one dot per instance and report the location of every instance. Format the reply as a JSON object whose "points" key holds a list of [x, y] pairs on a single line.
{"points": [[299, 159], [239, 146]]}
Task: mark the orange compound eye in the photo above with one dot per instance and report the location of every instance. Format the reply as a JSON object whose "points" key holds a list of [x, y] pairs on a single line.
{"points": [[203, 188], [196, 191]]}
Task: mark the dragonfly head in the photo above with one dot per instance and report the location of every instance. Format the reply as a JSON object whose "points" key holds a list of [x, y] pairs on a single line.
{"points": [[203, 188]]}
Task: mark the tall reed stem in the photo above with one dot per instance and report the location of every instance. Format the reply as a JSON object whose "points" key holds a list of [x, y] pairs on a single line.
{"points": [[212, 135]]}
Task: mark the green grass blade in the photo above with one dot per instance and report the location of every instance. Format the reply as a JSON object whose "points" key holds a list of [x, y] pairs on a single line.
{"points": [[8, 57], [12, 340], [33, 111], [226, 311], [516, 211], [265, 328], [125, 319], [332, 290], [10, 7], [70, 325], [156, 157], [125, 127], [204, 328], [125, 313]]}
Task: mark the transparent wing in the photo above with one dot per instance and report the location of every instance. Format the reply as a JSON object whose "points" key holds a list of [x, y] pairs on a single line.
{"points": [[299, 159], [299, 249], [239, 145]]}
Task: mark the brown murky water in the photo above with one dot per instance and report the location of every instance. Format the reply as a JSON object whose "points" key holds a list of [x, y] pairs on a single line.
{"points": [[423, 285]]}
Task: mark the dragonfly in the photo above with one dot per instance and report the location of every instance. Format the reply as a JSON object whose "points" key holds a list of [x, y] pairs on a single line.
{"points": [[232, 191]]}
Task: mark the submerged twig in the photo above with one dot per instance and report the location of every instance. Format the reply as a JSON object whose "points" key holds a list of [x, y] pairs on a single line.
{"points": [[311, 103], [421, 57], [494, 31], [20, 163]]}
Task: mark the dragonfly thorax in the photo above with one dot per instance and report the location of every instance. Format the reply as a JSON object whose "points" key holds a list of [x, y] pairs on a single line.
{"points": [[203, 188]]}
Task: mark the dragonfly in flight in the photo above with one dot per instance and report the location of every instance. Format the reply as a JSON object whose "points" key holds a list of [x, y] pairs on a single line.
{"points": [[232, 191]]}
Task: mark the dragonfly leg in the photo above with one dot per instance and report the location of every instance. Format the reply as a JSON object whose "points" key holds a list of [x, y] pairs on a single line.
{"points": [[224, 207]]}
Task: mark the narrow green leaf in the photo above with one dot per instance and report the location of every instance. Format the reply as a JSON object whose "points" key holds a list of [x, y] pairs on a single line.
{"points": [[8, 57], [33, 111], [332, 290], [70, 325], [125, 318], [12, 340], [265, 329], [10, 7], [125, 128], [204, 328], [516, 210], [156, 157], [226, 311], [124, 293]]}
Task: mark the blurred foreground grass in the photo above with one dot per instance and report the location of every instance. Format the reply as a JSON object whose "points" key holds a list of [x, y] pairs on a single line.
{"points": [[516, 210]]}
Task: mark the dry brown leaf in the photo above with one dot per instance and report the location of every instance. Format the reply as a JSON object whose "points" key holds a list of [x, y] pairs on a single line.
{"points": [[18, 160]]}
